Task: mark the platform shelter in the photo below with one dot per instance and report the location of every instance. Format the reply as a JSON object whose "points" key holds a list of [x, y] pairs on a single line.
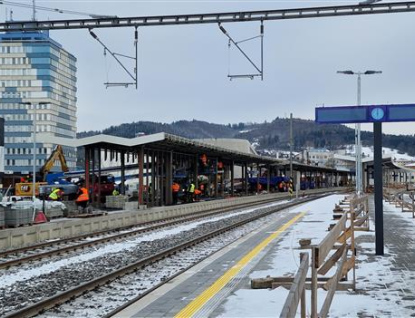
{"points": [[163, 158], [160, 159]]}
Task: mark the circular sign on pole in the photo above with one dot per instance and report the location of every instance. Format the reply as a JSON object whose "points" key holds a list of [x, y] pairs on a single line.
{"points": [[377, 113]]}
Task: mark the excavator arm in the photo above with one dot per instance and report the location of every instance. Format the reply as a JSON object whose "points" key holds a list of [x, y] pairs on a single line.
{"points": [[57, 154]]}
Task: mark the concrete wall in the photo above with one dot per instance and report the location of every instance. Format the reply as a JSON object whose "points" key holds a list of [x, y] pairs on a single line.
{"points": [[23, 236]]}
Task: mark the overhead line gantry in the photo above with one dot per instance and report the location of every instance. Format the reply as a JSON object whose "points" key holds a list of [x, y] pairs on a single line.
{"points": [[208, 18], [225, 17]]}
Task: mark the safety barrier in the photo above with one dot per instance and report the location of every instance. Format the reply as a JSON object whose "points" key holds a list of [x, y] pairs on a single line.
{"points": [[335, 253], [359, 211], [320, 265], [297, 291], [389, 194], [398, 199]]}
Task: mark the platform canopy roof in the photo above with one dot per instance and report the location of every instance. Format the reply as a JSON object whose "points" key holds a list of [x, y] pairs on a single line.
{"points": [[310, 168], [168, 142], [390, 162]]}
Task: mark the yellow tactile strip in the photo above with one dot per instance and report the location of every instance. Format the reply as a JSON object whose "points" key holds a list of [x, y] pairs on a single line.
{"points": [[194, 306]]}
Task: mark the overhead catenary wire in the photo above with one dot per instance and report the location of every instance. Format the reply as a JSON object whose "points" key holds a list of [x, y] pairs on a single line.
{"points": [[107, 66], [115, 56], [55, 10], [236, 44]]}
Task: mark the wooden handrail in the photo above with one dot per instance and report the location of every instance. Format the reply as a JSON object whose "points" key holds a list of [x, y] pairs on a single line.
{"points": [[297, 290], [324, 248], [333, 286]]}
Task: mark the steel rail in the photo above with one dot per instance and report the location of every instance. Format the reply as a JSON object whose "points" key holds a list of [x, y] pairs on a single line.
{"points": [[62, 297], [5, 253], [72, 239], [220, 17], [119, 236]]}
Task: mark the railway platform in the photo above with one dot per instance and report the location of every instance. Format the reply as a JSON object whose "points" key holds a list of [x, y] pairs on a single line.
{"points": [[63, 227], [220, 286]]}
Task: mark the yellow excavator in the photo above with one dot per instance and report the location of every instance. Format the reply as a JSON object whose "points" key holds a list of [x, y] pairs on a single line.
{"points": [[24, 189], [57, 154]]}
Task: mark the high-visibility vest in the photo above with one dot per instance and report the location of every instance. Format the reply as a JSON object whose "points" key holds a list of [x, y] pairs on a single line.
{"points": [[54, 195], [191, 188], [175, 187], [84, 196]]}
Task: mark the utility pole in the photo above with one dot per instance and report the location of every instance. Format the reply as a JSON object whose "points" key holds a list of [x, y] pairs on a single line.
{"points": [[291, 145], [34, 11], [358, 142]]}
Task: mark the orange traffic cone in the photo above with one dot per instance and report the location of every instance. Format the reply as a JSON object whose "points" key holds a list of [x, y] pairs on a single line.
{"points": [[40, 217]]}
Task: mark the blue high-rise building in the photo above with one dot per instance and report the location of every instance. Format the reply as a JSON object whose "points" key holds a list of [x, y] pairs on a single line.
{"points": [[37, 78]]}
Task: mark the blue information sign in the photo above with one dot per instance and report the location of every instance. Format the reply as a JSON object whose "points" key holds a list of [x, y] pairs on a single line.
{"points": [[365, 114], [375, 114], [348, 114], [404, 112]]}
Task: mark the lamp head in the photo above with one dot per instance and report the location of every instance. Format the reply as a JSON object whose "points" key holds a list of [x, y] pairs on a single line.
{"points": [[348, 72], [370, 72]]}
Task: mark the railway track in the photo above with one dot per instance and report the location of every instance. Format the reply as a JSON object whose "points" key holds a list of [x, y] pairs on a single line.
{"points": [[58, 247], [156, 252]]}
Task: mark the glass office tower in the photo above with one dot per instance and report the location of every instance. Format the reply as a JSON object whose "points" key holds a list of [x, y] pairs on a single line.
{"points": [[37, 78]]}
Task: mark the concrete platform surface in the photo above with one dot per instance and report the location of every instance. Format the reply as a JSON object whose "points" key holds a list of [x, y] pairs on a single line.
{"points": [[220, 285]]}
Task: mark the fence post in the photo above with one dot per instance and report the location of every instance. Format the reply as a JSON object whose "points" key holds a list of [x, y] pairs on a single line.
{"points": [[353, 216], [303, 299], [367, 212], [303, 307], [313, 284]]}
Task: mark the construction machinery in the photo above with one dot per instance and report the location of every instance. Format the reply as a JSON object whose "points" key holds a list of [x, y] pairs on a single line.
{"points": [[57, 154], [25, 189]]}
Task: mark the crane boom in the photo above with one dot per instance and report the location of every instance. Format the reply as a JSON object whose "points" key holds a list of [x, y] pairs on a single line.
{"points": [[57, 154]]}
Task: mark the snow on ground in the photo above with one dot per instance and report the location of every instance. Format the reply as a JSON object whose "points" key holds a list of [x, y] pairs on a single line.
{"points": [[375, 296], [13, 277], [367, 152]]}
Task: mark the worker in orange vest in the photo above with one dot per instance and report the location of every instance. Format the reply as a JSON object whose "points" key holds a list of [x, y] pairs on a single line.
{"points": [[175, 188], [197, 194], [83, 198]]}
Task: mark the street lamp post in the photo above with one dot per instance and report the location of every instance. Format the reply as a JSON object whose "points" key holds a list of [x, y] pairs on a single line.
{"points": [[34, 151], [358, 142], [34, 148]]}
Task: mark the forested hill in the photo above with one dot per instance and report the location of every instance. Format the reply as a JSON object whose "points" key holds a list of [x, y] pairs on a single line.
{"points": [[268, 135]]}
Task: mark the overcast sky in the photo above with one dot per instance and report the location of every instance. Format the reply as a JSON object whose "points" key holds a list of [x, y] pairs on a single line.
{"points": [[183, 69]]}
